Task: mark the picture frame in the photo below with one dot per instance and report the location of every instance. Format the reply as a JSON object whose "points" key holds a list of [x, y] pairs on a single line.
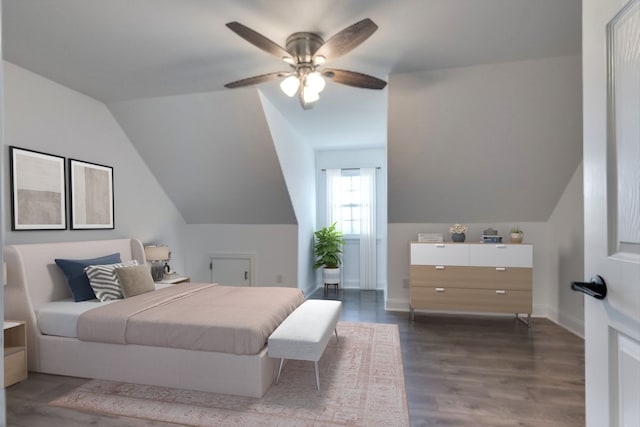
{"points": [[91, 194], [38, 190]]}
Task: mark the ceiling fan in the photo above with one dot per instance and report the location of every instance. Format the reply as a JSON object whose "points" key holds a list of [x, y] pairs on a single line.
{"points": [[306, 53]]}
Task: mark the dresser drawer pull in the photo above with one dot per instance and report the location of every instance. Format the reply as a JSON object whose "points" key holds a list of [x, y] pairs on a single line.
{"points": [[501, 292], [501, 269], [439, 267], [439, 245], [501, 246], [439, 289]]}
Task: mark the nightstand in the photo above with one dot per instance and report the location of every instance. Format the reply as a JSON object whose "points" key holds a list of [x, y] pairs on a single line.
{"points": [[174, 279], [15, 352]]}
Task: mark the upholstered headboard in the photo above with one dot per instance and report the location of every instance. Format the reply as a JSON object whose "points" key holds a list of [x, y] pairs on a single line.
{"points": [[33, 278]]}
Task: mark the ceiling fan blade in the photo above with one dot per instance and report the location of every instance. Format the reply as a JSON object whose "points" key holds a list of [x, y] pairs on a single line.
{"points": [[259, 40], [347, 39], [256, 79], [351, 78]]}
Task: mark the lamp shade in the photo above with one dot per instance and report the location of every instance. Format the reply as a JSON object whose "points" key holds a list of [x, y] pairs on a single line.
{"points": [[315, 81], [156, 252], [309, 95], [290, 85]]}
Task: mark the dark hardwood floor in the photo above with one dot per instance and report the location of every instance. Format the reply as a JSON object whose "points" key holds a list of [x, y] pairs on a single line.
{"points": [[459, 371]]}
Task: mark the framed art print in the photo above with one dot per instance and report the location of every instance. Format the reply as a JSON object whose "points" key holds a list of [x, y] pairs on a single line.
{"points": [[38, 197], [91, 190]]}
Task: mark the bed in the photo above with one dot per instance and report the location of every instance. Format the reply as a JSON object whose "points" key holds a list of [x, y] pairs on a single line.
{"points": [[34, 282]]}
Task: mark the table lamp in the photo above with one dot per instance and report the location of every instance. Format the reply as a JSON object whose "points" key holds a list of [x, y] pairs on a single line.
{"points": [[157, 255]]}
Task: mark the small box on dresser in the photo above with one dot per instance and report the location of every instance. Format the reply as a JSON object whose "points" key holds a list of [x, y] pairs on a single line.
{"points": [[494, 278], [15, 352]]}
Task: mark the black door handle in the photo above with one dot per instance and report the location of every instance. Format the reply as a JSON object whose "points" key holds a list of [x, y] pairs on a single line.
{"points": [[597, 288]]}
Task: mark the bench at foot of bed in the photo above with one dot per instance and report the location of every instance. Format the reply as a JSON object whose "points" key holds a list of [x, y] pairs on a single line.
{"points": [[305, 333]]}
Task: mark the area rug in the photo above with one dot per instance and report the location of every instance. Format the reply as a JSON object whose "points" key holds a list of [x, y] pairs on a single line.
{"points": [[361, 384]]}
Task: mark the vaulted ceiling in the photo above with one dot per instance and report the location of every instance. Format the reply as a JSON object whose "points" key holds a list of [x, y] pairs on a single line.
{"points": [[160, 67]]}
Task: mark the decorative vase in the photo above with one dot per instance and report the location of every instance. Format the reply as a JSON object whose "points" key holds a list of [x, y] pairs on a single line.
{"points": [[517, 237], [331, 276], [458, 237]]}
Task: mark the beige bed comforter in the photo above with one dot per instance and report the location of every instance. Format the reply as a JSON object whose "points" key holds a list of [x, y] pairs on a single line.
{"points": [[193, 316]]}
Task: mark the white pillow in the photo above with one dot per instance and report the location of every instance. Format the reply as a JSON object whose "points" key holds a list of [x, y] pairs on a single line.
{"points": [[104, 280]]}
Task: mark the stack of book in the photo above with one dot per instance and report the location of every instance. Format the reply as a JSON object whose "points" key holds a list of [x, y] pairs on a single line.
{"points": [[430, 238], [491, 238]]}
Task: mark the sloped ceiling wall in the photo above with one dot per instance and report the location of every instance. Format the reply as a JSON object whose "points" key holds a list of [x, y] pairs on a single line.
{"points": [[212, 153], [486, 143]]}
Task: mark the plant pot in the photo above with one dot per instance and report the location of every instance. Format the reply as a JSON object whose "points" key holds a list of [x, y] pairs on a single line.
{"points": [[517, 237], [458, 237], [331, 276]]}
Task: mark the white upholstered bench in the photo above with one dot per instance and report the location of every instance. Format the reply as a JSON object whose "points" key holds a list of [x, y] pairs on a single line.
{"points": [[304, 334]]}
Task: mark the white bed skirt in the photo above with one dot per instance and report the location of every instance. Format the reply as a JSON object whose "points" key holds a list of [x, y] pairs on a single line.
{"points": [[169, 367]]}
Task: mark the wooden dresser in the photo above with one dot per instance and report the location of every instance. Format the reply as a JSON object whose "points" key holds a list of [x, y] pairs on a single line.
{"points": [[477, 277]]}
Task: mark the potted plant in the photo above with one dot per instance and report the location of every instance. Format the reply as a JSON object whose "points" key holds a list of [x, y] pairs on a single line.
{"points": [[327, 249], [517, 235], [457, 232]]}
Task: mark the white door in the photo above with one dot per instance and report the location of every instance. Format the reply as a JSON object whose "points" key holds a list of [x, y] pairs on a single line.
{"points": [[231, 271], [611, 96]]}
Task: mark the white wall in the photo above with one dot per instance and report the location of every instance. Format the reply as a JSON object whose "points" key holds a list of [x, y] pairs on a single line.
{"points": [[496, 142], [212, 153], [2, 222], [557, 257], [337, 159], [567, 236], [45, 116], [297, 161], [490, 145], [274, 248]]}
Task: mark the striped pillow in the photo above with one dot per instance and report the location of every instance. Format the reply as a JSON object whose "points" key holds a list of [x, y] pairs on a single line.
{"points": [[104, 280]]}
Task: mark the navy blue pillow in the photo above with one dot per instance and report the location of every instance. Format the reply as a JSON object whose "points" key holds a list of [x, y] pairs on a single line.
{"points": [[77, 279]]}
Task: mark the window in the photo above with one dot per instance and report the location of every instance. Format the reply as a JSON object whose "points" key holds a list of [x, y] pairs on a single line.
{"points": [[350, 202], [346, 200]]}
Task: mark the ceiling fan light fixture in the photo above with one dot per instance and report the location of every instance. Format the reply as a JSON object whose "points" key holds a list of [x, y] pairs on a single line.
{"points": [[306, 52], [319, 60], [309, 95], [315, 82], [290, 85]]}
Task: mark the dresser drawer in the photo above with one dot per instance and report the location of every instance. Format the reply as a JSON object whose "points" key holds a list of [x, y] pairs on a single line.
{"points": [[482, 300], [501, 255], [15, 367], [514, 278], [441, 275], [439, 254]]}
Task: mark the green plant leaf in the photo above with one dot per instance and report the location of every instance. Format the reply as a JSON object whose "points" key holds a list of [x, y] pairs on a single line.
{"points": [[328, 247]]}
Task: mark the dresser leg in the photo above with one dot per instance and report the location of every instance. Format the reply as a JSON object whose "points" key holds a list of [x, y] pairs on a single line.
{"points": [[526, 322]]}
